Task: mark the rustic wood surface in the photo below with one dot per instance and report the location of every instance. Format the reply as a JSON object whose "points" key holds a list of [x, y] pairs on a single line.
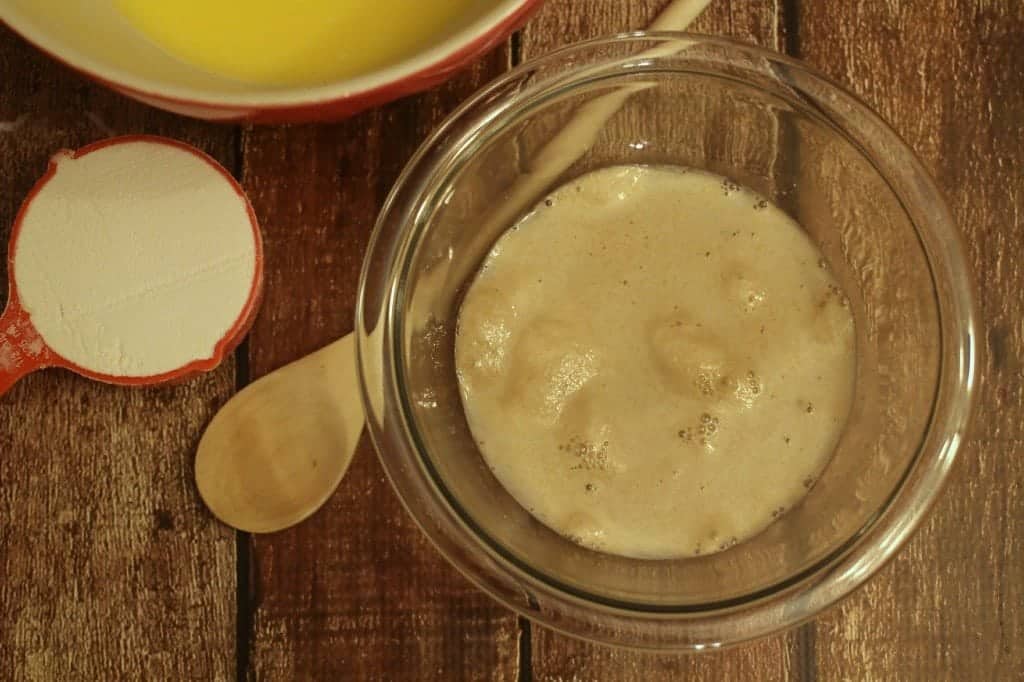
{"points": [[356, 592], [111, 569], [949, 77]]}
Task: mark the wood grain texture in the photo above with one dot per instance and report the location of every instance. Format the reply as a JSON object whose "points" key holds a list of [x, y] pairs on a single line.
{"points": [[557, 658], [951, 605], [110, 568], [356, 592]]}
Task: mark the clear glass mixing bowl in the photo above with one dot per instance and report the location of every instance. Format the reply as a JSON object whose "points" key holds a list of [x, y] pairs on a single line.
{"points": [[767, 122]]}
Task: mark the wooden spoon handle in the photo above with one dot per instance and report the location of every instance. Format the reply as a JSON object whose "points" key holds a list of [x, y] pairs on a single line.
{"points": [[678, 15], [22, 349], [570, 143]]}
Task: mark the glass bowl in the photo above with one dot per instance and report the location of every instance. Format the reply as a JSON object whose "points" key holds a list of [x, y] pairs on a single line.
{"points": [[764, 121]]}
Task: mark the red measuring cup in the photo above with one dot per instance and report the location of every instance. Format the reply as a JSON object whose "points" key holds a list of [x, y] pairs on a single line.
{"points": [[24, 348]]}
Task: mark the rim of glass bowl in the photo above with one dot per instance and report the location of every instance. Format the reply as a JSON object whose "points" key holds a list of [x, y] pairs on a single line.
{"points": [[379, 328]]}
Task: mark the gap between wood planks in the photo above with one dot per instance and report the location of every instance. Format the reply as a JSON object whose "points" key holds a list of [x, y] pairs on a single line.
{"points": [[789, 29], [243, 541]]}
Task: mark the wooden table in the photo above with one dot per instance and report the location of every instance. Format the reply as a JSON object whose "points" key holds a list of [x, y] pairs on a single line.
{"points": [[110, 567]]}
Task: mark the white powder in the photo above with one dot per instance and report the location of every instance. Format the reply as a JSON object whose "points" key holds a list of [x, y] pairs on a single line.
{"points": [[136, 259]]}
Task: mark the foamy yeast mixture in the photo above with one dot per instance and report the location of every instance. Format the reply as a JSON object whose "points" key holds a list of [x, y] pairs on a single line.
{"points": [[656, 362]]}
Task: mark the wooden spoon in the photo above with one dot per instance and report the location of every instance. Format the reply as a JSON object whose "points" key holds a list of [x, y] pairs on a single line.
{"points": [[277, 451]]}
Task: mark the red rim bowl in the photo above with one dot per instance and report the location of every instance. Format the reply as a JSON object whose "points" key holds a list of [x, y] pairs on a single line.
{"points": [[62, 35]]}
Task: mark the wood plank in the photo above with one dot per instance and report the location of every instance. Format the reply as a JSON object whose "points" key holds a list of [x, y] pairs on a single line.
{"points": [[110, 568], [356, 592], [947, 74], [556, 657]]}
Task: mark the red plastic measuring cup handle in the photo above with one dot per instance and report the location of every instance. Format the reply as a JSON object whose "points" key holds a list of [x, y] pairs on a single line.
{"points": [[22, 349]]}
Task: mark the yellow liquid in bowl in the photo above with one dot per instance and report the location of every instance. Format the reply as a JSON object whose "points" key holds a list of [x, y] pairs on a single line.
{"points": [[298, 42]]}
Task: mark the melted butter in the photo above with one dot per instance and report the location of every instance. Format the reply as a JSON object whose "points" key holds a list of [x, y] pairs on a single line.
{"points": [[655, 362], [301, 42]]}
